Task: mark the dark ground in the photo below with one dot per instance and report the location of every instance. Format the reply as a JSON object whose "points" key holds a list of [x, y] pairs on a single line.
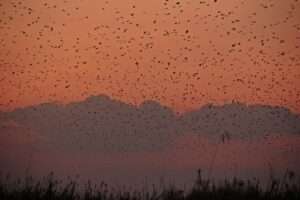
{"points": [[288, 188]]}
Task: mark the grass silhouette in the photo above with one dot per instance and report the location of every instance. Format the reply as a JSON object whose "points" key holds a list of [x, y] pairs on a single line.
{"points": [[286, 188]]}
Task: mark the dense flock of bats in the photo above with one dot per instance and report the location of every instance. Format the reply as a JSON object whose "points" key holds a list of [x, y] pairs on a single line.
{"points": [[166, 50]]}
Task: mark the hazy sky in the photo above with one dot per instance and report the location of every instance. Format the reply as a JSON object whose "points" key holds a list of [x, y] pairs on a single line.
{"points": [[183, 54], [240, 57]]}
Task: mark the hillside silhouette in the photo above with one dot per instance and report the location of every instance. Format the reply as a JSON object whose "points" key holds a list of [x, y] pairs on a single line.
{"points": [[105, 124]]}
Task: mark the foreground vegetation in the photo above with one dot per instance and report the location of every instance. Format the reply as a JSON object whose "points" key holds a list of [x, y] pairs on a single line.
{"points": [[287, 188]]}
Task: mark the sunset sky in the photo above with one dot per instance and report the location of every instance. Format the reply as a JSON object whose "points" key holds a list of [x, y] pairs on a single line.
{"points": [[183, 54], [140, 66]]}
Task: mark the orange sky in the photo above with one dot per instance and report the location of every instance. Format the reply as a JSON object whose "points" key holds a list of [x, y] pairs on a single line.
{"points": [[183, 54]]}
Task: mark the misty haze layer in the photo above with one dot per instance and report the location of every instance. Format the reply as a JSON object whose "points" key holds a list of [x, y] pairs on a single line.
{"points": [[102, 138]]}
